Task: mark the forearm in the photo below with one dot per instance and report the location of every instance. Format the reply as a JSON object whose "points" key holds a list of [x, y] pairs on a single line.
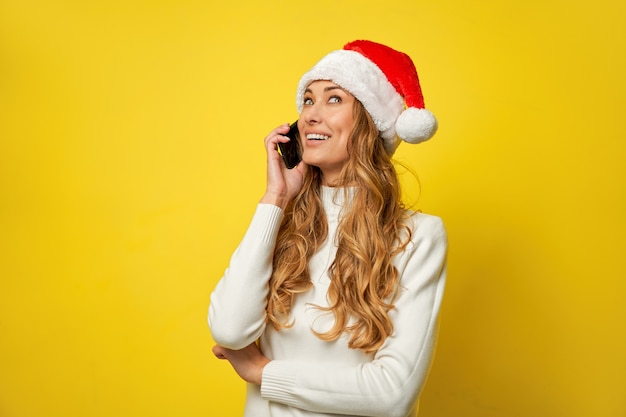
{"points": [[237, 309], [385, 387]]}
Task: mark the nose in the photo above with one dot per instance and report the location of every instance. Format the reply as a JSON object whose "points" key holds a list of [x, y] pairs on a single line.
{"points": [[311, 114]]}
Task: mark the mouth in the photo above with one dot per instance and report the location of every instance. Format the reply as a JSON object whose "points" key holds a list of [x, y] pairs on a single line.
{"points": [[317, 136]]}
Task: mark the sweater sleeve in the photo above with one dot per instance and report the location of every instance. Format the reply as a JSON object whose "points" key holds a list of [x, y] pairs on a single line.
{"points": [[237, 307], [390, 384]]}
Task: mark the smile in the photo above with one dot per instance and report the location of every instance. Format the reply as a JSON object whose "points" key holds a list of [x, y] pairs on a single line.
{"points": [[316, 136]]}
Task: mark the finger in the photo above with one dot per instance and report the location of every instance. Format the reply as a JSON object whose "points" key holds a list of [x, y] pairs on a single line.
{"points": [[282, 129], [278, 132]]}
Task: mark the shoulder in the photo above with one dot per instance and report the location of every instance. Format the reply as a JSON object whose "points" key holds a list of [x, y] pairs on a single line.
{"points": [[426, 227], [426, 237], [423, 259]]}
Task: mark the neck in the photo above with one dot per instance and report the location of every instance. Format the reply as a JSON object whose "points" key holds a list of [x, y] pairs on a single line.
{"points": [[329, 180], [334, 181]]}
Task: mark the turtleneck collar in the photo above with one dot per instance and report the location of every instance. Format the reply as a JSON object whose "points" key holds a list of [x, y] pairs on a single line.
{"points": [[334, 199]]}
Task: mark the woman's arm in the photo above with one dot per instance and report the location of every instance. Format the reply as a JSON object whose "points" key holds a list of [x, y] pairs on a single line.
{"points": [[390, 384], [237, 309]]}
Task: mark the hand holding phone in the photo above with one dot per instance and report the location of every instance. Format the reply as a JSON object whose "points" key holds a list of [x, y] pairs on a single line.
{"points": [[290, 151]]}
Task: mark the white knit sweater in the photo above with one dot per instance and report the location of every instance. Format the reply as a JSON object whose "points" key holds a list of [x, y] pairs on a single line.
{"points": [[311, 377]]}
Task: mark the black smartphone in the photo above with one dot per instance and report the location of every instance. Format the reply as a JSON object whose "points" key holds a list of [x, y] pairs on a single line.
{"points": [[290, 151]]}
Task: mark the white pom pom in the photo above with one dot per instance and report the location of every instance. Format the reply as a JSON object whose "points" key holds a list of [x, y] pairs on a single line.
{"points": [[416, 125]]}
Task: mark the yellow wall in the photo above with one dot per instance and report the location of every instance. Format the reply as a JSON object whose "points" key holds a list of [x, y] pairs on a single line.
{"points": [[131, 158]]}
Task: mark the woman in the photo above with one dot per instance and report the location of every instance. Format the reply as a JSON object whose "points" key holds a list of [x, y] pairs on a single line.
{"points": [[330, 303]]}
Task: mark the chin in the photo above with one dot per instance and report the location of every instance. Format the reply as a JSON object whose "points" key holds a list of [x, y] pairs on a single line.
{"points": [[310, 160]]}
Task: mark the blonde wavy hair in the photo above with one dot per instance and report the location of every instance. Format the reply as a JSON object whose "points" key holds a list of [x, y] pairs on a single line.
{"points": [[372, 230]]}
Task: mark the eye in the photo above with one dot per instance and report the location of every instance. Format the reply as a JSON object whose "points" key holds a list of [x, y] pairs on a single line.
{"points": [[307, 101], [334, 99]]}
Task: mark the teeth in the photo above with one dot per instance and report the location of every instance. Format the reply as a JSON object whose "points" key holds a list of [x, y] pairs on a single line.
{"points": [[316, 136]]}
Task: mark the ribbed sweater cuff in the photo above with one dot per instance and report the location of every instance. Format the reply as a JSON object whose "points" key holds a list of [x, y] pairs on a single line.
{"points": [[279, 382], [266, 221]]}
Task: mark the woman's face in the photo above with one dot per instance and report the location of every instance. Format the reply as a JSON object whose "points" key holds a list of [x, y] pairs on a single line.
{"points": [[325, 126]]}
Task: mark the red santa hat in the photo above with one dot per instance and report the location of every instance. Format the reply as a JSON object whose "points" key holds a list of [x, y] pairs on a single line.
{"points": [[385, 81]]}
